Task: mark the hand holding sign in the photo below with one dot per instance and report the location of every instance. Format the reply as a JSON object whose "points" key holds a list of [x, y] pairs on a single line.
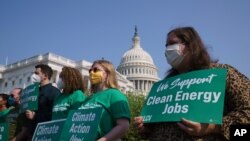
{"points": [[30, 114], [198, 129], [139, 123]]}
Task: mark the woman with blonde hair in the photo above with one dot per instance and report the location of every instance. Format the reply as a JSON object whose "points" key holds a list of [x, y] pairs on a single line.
{"points": [[115, 116], [71, 85]]}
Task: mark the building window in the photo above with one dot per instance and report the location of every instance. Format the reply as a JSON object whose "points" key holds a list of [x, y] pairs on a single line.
{"points": [[6, 84], [28, 79], [13, 83], [20, 81]]}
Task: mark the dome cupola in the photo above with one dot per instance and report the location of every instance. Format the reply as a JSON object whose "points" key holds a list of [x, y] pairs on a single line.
{"points": [[138, 66]]}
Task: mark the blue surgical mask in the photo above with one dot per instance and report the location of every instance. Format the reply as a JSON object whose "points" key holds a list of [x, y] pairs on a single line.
{"points": [[60, 84], [11, 101]]}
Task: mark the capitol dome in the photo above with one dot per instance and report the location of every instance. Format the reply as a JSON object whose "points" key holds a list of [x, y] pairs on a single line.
{"points": [[138, 66], [136, 55]]}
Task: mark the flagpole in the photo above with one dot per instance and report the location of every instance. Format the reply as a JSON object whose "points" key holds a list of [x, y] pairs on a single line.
{"points": [[6, 61]]}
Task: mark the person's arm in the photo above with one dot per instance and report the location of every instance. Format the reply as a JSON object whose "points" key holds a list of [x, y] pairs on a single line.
{"points": [[138, 121], [23, 134], [48, 100], [237, 104], [30, 114], [198, 129], [237, 99], [22, 131], [120, 112], [122, 126], [144, 130], [20, 122]]}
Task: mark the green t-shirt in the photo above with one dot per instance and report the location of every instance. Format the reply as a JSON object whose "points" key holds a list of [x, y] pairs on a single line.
{"points": [[4, 125], [3, 115], [115, 106], [65, 102]]}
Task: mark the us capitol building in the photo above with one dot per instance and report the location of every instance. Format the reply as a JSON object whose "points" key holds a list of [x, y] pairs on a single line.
{"points": [[136, 71], [138, 66]]}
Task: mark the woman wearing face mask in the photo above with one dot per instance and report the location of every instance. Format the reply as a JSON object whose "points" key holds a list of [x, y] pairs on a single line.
{"points": [[71, 85], [115, 117], [186, 52]]}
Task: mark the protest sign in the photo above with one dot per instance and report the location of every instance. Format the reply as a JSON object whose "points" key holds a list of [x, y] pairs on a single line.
{"points": [[82, 125], [29, 98], [48, 131], [4, 131], [197, 96]]}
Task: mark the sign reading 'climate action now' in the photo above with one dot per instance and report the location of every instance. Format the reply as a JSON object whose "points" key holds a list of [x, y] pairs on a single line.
{"points": [[48, 131], [81, 125]]}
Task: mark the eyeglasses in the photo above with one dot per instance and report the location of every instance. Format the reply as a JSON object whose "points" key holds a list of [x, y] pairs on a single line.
{"points": [[94, 70]]}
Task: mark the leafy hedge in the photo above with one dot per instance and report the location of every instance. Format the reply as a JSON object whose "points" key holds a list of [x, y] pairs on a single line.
{"points": [[136, 102]]}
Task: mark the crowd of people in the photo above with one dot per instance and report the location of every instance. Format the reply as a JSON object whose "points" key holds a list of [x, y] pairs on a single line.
{"points": [[185, 52]]}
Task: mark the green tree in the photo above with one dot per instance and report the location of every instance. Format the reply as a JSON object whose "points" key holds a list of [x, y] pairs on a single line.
{"points": [[136, 102]]}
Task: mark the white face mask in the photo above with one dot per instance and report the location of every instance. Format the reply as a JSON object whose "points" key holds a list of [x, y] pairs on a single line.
{"points": [[60, 84], [173, 55], [35, 78]]}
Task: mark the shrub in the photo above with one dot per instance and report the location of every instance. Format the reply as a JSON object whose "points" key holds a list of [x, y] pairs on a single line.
{"points": [[136, 102]]}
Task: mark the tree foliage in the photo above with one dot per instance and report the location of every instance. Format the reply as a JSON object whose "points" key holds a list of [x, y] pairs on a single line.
{"points": [[136, 102]]}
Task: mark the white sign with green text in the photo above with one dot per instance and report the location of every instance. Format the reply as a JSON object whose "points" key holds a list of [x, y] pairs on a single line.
{"points": [[197, 96]]}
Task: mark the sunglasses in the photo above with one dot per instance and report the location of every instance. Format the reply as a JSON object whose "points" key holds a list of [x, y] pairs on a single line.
{"points": [[94, 70]]}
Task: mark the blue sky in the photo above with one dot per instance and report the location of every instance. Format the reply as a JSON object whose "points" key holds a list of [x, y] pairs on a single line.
{"points": [[92, 29]]}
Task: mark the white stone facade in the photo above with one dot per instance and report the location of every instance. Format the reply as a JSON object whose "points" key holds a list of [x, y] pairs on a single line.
{"points": [[18, 74], [139, 67]]}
